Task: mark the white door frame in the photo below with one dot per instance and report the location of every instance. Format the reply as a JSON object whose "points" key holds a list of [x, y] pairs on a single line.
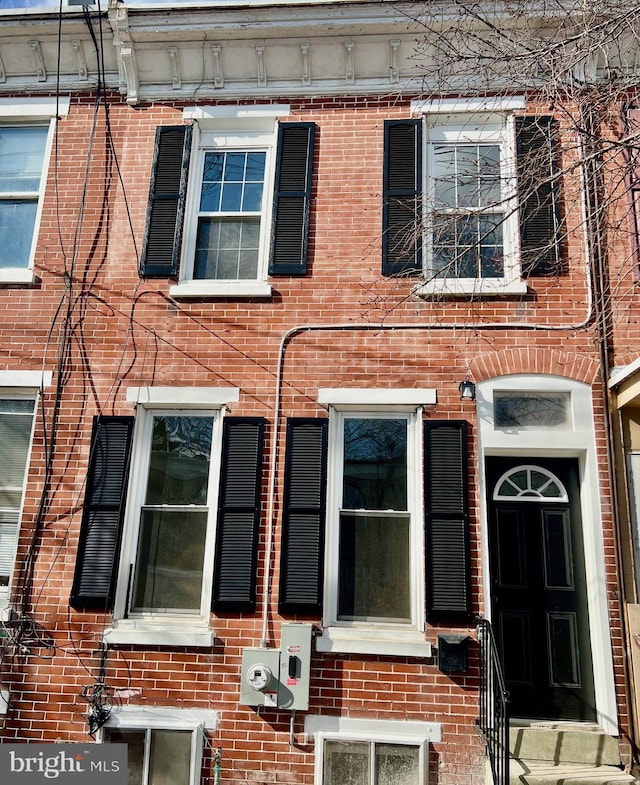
{"points": [[575, 440]]}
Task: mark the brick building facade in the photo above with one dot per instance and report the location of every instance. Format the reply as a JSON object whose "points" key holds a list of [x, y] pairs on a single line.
{"points": [[230, 367]]}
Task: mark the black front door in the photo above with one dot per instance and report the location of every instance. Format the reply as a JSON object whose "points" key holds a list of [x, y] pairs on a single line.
{"points": [[539, 598]]}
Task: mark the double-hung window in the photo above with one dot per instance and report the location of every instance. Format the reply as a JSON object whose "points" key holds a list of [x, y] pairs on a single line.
{"points": [[172, 533], [230, 231], [375, 529], [375, 526], [470, 198], [169, 557], [469, 205], [16, 428], [229, 201], [26, 131]]}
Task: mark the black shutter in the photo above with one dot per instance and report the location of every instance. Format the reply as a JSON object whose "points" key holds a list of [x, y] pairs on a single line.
{"points": [[447, 521], [165, 211], [101, 527], [401, 187], [305, 482], [238, 515], [292, 196], [540, 241]]}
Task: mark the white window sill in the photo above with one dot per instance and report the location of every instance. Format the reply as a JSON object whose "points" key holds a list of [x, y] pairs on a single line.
{"points": [[471, 287], [19, 275], [221, 289], [147, 634], [401, 643]]}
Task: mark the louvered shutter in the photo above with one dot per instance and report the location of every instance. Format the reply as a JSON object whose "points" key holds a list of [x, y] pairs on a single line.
{"points": [[292, 197], [238, 515], [447, 521], [540, 241], [401, 209], [165, 211], [102, 517], [305, 482]]}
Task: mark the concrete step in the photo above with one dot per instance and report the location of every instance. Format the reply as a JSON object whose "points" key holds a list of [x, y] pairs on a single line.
{"points": [[564, 744], [544, 773]]}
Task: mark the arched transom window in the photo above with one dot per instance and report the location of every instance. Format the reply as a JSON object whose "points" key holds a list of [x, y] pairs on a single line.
{"points": [[529, 483]]}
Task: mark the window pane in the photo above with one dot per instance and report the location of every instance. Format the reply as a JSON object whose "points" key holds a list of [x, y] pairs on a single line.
{"points": [[232, 182], [180, 457], [21, 158], [170, 757], [374, 569], [531, 410], [8, 535], [17, 221], [375, 464], [170, 560], [444, 170], [346, 763], [134, 739], [227, 248], [15, 433], [397, 764]]}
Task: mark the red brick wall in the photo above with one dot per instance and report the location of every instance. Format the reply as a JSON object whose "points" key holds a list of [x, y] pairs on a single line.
{"points": [[122, 331]]}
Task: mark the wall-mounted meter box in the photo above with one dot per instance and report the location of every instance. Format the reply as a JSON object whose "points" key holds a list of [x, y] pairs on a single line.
{"points": [[295, 664], [260, 677], [279, 677]]}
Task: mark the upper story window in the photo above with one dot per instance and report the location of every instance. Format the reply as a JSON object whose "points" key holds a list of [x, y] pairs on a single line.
{"points": [[469, 194], [470, 198], [229, 201], [26, 133], [22, 150], [182, 538], [230, 210]]}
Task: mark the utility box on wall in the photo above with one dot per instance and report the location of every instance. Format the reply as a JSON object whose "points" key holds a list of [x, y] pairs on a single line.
{"points": [[295, 664], [260, 677], [279, 677]]}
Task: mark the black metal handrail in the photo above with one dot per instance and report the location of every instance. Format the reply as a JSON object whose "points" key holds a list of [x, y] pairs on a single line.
{"points": [[494, 704]]}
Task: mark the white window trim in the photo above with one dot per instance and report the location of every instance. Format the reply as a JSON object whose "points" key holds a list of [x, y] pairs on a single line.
{"points": [[27, 385], [323, 728], [366, 637], [32, 111], [167, 718], [167, 629], [448, 119], [228, 127]]}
